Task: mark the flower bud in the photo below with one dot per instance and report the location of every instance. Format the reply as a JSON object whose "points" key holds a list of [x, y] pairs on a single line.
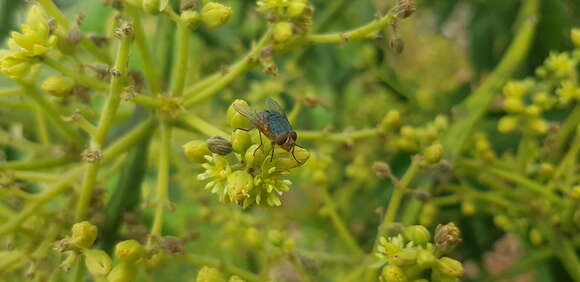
{"points": [[507, 124], [447, 237], [240, 183], [98, 262], [123, 272], [276, 238], [417, 233], [74, 35], [391, 121], [190, 18], [209, 274], [215, 14], [151, 6], [575, 36], [393, 273], [449, 267], [129, 251], [538, 126], [252, 237], [513, 105], [196, 150], [296, 8], [241, 140], [426, 259], [83, 235], [219, 145], [155, 260], [433, 153], [235, 119], [515, 89], [254, 155], [57, 85], [284, 160], [282, 31], [405, 257]]}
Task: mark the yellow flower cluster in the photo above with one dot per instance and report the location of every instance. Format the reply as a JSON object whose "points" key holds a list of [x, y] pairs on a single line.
{"points": [[25, 47]]}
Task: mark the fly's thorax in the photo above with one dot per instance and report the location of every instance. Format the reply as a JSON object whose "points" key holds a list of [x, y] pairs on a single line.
{"points": [[277, 123]]}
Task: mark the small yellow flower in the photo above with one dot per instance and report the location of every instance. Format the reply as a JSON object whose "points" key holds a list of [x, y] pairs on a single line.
{"points": [[209, 274], [282, 31], [34, 38], [57, 85]]}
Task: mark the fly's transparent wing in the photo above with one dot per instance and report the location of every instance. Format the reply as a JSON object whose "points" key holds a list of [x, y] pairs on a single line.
{"points": [[272, 105], [245, 110]]}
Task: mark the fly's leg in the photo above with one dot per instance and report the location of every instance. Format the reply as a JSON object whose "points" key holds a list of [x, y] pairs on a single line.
{"points": [[273, 147], [260, 146], [294, 155]]}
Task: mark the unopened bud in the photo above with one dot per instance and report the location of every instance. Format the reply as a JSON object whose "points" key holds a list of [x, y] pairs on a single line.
{"points": [[447, 237], [58, 85], [433, 153], [215, 14], [417, 233], [129, 251], [196, 151], [296, 8], [219, 145], [507, 124], [236, 119], [151, 6], [209, 274], [449, 267], [73, 35], [241, 140], [575, 36], [98, 262], [282, 31], [83, 235], [393, 273], [391, 121], [190, 18]]}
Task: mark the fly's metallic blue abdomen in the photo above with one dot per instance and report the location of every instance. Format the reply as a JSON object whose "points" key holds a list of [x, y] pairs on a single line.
{"points": [[278, 124]]}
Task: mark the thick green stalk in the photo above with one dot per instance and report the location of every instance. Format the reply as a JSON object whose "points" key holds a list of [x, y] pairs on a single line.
{"points": [[10, 91], [340, 136], [202, 126], [105, 121], [162, 189], [182, 60]]}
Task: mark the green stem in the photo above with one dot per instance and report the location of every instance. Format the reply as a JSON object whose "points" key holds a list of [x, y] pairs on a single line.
{"points": [[41, 129], [343, 232], [148, 66], [338, 137], [36, 164], [10, 91], [181, 67], [65, 129], [80, 78], [233, 73], [54, 12], [161, 191], [227, 267], [567, 128], [202, 126], [119, 147], [364, 31], [105, 121]]}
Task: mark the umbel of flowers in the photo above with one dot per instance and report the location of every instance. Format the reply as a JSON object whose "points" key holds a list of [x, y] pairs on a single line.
{"points": [[411, 256], [241, 171]]}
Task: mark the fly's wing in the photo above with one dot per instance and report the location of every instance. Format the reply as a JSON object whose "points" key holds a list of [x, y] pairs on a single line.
{"points": [[255, 117], [272, 105]]}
